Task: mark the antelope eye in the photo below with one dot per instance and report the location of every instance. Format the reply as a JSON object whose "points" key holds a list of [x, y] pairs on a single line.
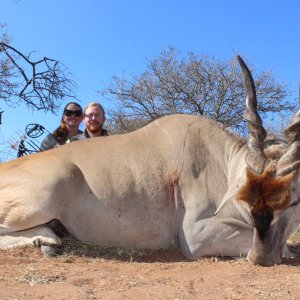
{"points": [[295, 203]]}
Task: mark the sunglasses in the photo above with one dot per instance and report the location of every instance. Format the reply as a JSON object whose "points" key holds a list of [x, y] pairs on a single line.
{"points": [[69, 113]]}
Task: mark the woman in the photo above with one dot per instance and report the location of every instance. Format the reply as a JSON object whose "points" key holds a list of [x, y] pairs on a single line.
{"points": [[70, 121]]}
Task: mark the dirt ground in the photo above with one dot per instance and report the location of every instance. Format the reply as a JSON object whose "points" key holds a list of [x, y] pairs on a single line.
{"points": [[86, 272]]}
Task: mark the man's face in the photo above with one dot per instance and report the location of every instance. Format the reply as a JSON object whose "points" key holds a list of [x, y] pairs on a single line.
{"points": [[94, 119]]}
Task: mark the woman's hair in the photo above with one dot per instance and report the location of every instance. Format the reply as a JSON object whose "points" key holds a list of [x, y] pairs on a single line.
{"points": [[61, 132]]}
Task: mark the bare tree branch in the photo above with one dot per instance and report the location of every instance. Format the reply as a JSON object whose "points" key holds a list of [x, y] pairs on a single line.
{"points": [[195, 85], [40, 84]]}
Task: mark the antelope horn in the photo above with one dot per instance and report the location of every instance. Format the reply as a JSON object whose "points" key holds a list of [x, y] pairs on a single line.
{"points": [[290, 161], [255, 157]]}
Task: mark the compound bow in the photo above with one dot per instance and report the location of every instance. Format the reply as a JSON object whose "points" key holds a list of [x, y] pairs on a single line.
{"points": [[27, 144]]}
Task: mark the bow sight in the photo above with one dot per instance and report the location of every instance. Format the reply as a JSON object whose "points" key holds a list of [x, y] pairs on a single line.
{"points": [[28, 142]]}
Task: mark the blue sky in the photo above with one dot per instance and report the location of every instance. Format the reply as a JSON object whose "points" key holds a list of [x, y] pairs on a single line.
{"points": [[97, 39]]}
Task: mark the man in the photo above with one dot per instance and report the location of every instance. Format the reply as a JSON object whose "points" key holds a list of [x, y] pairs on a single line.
{"points": [[94, 118]]}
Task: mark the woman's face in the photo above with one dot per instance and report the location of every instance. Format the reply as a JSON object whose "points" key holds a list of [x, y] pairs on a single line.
{"points": [[71, 116]]}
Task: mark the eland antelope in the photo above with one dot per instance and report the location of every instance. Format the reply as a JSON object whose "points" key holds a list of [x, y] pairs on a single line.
{"points": [[181, 181]]}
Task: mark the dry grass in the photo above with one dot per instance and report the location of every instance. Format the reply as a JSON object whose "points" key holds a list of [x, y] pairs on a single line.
{"points": [[85, 271], [33, 276], [293, 241], [74, 247]]}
